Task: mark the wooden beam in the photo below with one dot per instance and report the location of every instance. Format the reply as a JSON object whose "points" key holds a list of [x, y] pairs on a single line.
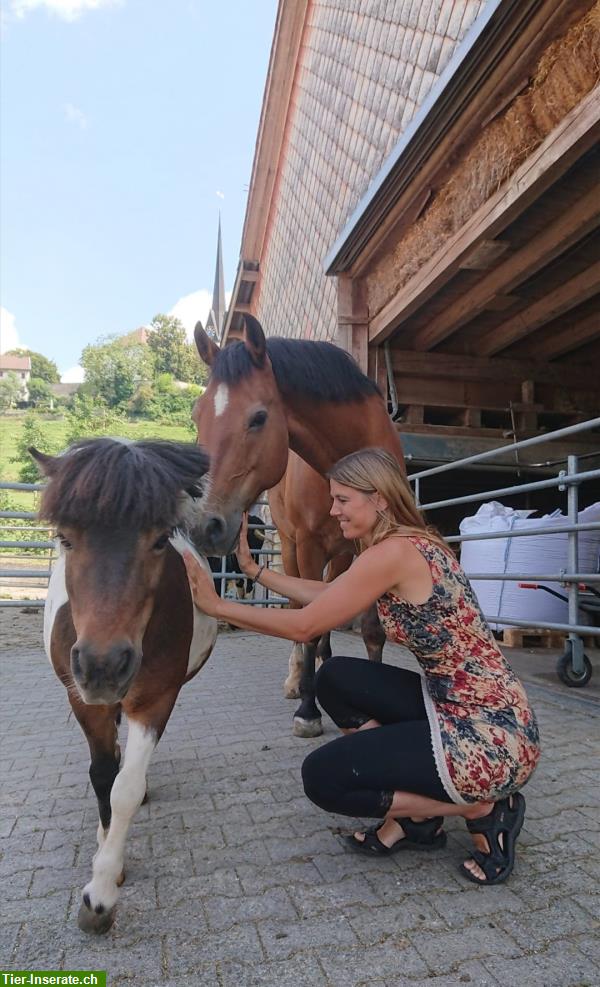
{"points": [[559, 301], [571, 337], [407, 364], [578, 220], [353, 319], [575, 134]]}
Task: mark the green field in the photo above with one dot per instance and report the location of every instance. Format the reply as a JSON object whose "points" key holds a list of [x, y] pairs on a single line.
{"points": [[11, 426]]}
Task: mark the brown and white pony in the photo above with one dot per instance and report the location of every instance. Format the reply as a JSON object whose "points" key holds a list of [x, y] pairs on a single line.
{"points": [[264, 398], [120, 627]]}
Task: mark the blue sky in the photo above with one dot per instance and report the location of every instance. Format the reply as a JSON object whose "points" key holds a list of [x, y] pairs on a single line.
{"points": [[126, 126]]}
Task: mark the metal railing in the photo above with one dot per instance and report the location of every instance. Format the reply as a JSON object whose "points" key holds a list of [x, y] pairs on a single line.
{"points": [[12, 576], [575, 664]]}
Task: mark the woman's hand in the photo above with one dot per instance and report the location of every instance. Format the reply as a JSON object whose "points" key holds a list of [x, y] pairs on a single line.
{"points": [[202, 586], [248, 565]]}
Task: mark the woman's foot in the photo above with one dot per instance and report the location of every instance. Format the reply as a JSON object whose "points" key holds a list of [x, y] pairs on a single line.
{"points": [[397, 834], [494, 831]]}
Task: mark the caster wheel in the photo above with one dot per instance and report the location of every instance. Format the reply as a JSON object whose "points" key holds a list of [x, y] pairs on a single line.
{"points": [[564, 670]]}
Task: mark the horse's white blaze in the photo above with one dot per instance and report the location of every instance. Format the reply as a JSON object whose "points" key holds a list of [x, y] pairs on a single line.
{"points": [[56, 598], [221, 399], [125, 799], [205, 628]]}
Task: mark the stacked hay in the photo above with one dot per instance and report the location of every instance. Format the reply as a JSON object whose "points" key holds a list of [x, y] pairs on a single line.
{"points": [[566, 72]]}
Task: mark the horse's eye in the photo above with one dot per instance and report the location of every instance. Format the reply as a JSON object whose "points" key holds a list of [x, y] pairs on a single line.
{"points": [[64, 541], [161, 542], [258, 419]]}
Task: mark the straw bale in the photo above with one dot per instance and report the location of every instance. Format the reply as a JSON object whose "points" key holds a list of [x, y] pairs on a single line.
{"points": [[567, 70]]}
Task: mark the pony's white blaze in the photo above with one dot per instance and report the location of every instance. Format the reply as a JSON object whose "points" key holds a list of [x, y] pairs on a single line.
{"points": [[221, 399], [56, 598], [125, 799], [205, 628]]}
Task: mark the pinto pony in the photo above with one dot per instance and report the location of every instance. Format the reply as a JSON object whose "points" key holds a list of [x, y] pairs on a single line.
{"points": [[264, 398], [120, 627]]}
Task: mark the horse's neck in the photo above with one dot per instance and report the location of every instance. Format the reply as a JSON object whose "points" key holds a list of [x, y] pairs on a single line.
{"points": [[323, 432]]}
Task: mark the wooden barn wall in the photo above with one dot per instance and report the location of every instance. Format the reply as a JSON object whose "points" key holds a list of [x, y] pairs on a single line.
{"points": [[363, 71]]}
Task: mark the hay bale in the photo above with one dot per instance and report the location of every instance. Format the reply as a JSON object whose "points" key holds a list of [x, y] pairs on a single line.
{"points": [[565, 73]]}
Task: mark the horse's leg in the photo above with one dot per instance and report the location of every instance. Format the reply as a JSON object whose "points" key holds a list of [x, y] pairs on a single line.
{"points": [[373, 633], [97, 910], [291, 686], [307, 718]]}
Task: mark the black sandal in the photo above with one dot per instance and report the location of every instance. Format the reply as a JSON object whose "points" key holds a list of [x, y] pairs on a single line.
{"points": [[505, 820], [417, 836]]}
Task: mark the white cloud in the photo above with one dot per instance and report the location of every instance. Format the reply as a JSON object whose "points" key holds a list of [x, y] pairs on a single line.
{"points": [[221, 195], [9, 334], [192, 308], [74, 375], [67, 10], [76, 116]]}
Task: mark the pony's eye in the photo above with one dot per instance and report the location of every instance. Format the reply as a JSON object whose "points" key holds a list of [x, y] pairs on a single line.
{"points": [[161, 542], [64, 541], [258, 419]]}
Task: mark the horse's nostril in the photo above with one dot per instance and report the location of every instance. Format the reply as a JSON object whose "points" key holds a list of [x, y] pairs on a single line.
{"points": [[75, 663], [215, 526]]}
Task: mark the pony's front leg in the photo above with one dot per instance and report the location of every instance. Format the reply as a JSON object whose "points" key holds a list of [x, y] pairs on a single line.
{"points": [[307, 718], [97, 910], [291, 686]]}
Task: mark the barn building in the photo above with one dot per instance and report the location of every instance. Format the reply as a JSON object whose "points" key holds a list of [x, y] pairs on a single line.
{"points": [[425, 194]]}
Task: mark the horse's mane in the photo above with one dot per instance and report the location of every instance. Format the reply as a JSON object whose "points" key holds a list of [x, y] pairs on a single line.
{"points": [[319, 370], [111, 483]]}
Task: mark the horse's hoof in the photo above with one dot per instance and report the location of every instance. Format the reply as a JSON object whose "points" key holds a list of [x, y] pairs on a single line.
{"points": [[307, 728], [291, 691], [89, 920]]}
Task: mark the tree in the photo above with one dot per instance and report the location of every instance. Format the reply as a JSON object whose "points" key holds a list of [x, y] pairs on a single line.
{"points": [[41, 366], [40, 392], [172, 352], [88, 417], [10, 390], [114, 369], [32, 434]]}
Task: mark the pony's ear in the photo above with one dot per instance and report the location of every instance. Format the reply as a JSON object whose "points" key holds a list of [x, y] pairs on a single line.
{"points": [[47, 464], [254, 340], [207, 348]]}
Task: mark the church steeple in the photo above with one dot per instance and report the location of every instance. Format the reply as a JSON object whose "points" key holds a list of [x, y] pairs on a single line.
{"points": [[216, 316]]}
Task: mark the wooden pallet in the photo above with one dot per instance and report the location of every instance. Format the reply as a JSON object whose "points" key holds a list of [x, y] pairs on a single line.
{"points": [[538, 637]]}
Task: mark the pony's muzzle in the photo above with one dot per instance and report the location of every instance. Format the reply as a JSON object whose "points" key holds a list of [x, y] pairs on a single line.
{"points": [[104, 676]]}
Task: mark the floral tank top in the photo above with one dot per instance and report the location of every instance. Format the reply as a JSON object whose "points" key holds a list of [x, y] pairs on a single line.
{"points": [[484, 732]]}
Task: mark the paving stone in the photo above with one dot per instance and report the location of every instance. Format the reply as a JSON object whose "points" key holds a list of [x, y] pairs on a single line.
{"points": [[374, 924], [351, 967], [475, 941], [283, 939], [9, 934], [142, 959], [298, 970], [241, 944], [561, 965], [473, 973], [321, 897], [458, 908], [534, 929], [224, 912]]}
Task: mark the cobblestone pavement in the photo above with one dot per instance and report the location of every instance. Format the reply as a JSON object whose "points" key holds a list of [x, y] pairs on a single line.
{"points": [[234, 878]]}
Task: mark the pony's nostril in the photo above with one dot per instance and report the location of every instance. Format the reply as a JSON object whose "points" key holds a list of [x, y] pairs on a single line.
{"points": [[75, 662], [215, 526], [125, 661]]}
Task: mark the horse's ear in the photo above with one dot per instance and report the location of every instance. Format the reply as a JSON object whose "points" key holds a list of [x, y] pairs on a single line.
{"points": [[207, 348], [47, 464], [254, 340]]}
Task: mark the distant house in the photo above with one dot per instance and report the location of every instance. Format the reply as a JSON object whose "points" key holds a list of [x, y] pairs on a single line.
{"points": [[64, 390], [19, 365]]}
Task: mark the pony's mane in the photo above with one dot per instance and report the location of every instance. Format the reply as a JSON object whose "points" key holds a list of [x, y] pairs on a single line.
{"points": [[114, 484], [319, 370]]}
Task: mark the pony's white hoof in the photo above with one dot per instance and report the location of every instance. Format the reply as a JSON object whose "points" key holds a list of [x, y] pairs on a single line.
{"points": [[307, 728], [291, 690], [95, 922]]}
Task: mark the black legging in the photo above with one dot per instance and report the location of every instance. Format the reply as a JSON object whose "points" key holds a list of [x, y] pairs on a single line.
{"points": [[358, 774]]}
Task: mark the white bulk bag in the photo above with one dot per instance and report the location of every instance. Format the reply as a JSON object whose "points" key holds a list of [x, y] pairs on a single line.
{"points": [[527, 555]]}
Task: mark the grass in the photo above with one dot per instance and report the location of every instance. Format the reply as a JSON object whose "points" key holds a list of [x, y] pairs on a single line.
{"points": [[55, 429]]}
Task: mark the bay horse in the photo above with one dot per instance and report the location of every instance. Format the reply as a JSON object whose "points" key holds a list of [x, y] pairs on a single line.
{"points": [[120, 627], [265, 397]]}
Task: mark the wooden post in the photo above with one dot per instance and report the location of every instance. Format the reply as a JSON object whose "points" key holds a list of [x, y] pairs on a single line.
{"points": [[353, 319]]}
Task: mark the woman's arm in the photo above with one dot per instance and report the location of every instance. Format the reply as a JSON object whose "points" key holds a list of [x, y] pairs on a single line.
{"points": [[369, 576], [299, 590]]}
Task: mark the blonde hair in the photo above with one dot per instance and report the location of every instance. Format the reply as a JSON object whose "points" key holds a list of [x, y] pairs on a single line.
{"points": [[374, 470]]}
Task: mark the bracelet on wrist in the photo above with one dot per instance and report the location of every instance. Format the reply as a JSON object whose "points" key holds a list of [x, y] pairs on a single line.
{"points": [[259, 573]]}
